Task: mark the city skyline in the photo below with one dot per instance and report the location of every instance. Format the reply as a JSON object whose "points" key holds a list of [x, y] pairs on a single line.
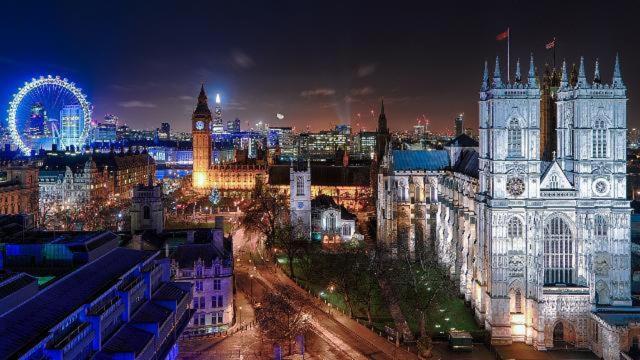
{"points": [[338, 60]]}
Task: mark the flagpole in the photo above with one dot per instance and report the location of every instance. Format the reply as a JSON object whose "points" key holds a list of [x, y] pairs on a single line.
{"points": [[508, 54], [555, 44]]}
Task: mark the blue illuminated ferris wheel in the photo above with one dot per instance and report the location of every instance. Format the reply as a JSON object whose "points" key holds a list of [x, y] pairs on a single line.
{"points": [[49, 111]]}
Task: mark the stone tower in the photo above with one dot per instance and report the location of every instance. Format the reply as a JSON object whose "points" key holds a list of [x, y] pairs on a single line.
{"points": [[201, 131], [300, 195]]}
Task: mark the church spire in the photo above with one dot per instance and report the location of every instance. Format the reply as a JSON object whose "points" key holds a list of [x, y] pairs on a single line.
{"points": [[518, 70], [382, 119], [485, 77], [533, 82], [582, 78], [564, 80], [617, 75], [596, 73], [497, 81]]}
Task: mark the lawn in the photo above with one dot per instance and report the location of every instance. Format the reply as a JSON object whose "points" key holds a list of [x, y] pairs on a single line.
{"points": [[453, 314]]}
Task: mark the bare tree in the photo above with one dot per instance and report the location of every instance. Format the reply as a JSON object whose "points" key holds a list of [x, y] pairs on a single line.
{"points": [[283, 315], [265, 212], [292, 241]]}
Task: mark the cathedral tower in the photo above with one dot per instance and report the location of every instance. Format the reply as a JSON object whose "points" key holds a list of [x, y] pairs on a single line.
{"points": [[300, 195], [383, 134], [201, 125]]}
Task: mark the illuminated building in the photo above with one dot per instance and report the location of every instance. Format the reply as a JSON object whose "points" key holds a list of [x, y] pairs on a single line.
{"points": [[19, 190], [71, 126], [119, 305], [540, 249], [147, 209], [322, 145], [38, 121], [165, 131], [459, 124], [104, 134], [364, 145], [201, 122], [217, 126], [111, 119], [68, 180], [232, 180], [233, 126], [209, 268]]}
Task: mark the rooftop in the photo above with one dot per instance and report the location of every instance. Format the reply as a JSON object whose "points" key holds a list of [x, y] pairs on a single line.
{"points": [[467, 163], [30, 322], [128, 339], [186, 255], [420, 160], [462, 140]]}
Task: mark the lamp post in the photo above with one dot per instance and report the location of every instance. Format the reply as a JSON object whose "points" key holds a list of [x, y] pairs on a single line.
{"points": [[251, 286]]}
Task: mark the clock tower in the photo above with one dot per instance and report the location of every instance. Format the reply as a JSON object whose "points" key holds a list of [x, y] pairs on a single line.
{"points": [[201, 122]]}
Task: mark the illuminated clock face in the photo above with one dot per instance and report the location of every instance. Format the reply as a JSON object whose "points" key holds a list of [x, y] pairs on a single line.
{"points": [[515, 186], [199, 125]]}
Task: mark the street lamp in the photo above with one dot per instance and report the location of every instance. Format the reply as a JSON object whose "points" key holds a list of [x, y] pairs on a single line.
{"points": [[240, 311], [251, 286]]}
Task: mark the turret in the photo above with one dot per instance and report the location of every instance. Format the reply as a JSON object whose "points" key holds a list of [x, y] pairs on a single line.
{"points": [[497, 80], [485, 77], [617, 76], [564, 81], [518, 78], [582, 78], [533, 82], [596, 74]]}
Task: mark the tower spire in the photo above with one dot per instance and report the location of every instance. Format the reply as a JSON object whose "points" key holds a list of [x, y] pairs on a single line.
{"points": [[382, 119], [497, 81], [203, 106], [564, 80], [596, 73], [485, 77], [617, 75], [533, 82], [582, 78], [518, 70]]}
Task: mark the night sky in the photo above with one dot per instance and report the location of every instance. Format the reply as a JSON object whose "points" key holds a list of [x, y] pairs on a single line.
{"points": [[317, 62]]}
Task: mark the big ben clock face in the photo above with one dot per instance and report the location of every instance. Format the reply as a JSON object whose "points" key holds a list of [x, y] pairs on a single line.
{"points": [[515, 186], [199, 125]]}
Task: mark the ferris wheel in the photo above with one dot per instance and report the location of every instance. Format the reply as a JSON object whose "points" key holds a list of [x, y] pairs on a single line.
{"points": [[49, 111]]}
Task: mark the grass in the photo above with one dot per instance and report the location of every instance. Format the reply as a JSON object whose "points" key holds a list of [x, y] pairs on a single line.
{"points": [[454, 314]]}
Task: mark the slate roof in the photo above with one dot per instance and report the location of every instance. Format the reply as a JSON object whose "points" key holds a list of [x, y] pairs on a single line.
{"points": [[14, 283], [30, 322], [429, 160], [619, 316], [467, 163], [172, 291], [325, 175], [151, 313], [462, 140], [128, 339], [186, 255]]}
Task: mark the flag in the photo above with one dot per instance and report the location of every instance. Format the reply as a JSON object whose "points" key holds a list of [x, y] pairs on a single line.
{"points": [[503, 35], [550, 45]]}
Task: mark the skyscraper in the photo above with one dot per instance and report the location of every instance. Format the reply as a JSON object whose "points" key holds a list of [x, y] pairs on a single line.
{"points": [[217, 126], [459, 124], [71, 126]]}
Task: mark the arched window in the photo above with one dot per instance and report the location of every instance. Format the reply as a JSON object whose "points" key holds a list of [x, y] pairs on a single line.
{"points": [[518, 301], [600, 230], [346, 230], [553, 183], [514, 233], [299, 186], [558, 252], [331, 222], [146, 212], [599, 146], [514, 138]]}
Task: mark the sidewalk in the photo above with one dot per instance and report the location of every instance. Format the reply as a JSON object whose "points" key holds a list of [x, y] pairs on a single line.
{"points": [[522, 351]]}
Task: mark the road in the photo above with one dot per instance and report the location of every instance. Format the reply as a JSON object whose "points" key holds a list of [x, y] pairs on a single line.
{"points": [[348, 339]]}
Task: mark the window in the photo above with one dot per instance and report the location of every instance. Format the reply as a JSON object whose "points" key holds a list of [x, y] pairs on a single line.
{"points": [[514, 233], [558, 252], [199, 286], [553, 183], [147, 212], [203, 318], [518, 299], [202, 304], [216, 284], [599, 146], [299, 186], [195, 303], [346, 230], [331, 222], [216, 270], [220, 320], [220, 303], [601, 229], [514, 138]]}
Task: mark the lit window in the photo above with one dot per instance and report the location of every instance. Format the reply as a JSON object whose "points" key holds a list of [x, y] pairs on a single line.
{"points": [[514, 141], [599, 146], [216, 284], [558, 252], [300, 186]]}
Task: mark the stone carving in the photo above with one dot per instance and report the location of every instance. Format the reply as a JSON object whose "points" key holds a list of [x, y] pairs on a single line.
{"points": [[601, 264], [516, 265]]}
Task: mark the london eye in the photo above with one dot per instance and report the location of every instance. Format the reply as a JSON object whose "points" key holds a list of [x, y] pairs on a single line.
{"points": [[49, 111]]}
